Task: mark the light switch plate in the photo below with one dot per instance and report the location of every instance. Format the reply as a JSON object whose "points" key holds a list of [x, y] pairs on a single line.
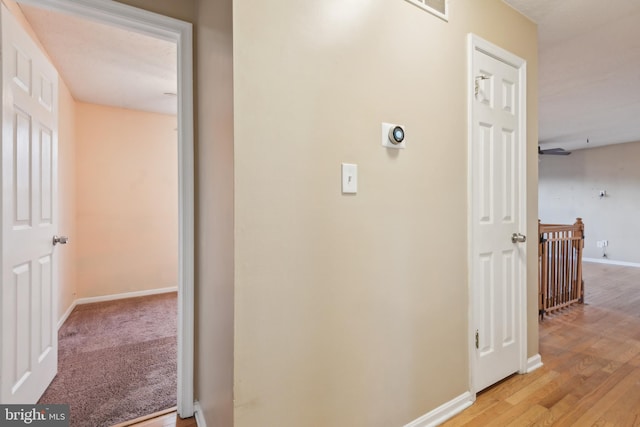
{"points": [[349, 178]]}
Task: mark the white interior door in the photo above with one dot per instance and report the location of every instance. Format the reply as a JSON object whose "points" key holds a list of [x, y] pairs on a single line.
{"points": [[29, 217], [497, 175]]}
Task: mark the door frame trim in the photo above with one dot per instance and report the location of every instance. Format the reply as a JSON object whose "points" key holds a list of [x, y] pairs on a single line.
{"points": [[181, 33], [475, 43]]}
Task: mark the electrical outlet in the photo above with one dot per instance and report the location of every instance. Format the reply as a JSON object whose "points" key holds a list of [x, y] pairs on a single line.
{"points": [[605, 243]]}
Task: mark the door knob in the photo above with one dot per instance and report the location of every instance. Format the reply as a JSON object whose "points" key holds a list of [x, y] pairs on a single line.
{"points": [[518, 238], [60, 239]]}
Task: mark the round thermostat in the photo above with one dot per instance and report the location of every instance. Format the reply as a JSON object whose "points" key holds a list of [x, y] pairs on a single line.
{"points": [[396, 135]]}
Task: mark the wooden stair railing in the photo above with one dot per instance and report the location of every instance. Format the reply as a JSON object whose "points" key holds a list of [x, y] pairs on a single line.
{"points": [[560, 281]]}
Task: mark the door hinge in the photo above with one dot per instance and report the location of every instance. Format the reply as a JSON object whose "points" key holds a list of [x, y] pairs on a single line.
{"points": [[477, 339]]}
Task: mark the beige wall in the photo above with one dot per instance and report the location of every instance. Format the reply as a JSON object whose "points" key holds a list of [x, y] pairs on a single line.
{"points": [[215, 213], [343, 317], [570, 187], [214, 176], [352, 310], [127, 198]]}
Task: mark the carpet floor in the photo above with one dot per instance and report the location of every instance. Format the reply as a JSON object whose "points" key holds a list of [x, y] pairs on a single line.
{"points": [[117, 360]]}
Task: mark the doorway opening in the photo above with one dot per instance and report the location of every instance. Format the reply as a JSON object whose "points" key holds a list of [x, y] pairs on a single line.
{"points": [[179, 33]]}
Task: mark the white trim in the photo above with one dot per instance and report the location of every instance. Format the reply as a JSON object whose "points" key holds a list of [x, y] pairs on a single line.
{"points": [[200, 421], [66, 314], [470, 311], [443, 412], [113, 297], [522, 75], [475, 43], [124, 295], [611, 262], [181, 33], [533, 363], [118, 15]]}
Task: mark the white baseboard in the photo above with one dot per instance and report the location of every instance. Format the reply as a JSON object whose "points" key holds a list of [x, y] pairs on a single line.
{"points": [[533, 363], [113, 297], [66, 314], [443, 412], [199, 416], [611, 262]]}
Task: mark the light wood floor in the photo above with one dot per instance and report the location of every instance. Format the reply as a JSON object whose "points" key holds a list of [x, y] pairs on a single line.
{"points": [[591, 356], [168, 418], [591, 372]]}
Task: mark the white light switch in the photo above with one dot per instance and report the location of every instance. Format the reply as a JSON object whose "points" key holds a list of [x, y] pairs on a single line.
{"points": [[349, 178]]}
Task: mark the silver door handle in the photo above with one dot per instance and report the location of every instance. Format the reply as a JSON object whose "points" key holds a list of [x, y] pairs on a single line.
{"points": [[518, 238], [60, 239]]}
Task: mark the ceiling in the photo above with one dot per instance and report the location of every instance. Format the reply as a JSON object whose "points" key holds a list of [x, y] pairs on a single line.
{"points": [[106, 65], [589, 71]]}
